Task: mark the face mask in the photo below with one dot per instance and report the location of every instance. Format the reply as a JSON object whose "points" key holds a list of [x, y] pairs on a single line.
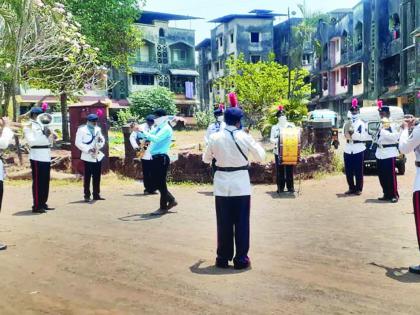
{"points": [[220, 119], [160, 120]]}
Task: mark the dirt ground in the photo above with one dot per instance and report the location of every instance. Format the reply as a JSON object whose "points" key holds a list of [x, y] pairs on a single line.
{"points": [[320, 253]]}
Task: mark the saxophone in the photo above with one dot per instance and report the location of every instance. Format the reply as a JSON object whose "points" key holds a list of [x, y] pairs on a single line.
{"points": [[96, 146], [348, 129]]}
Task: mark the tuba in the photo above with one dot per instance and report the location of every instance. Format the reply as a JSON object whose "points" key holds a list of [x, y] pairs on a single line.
{"points": [[44, 120]]}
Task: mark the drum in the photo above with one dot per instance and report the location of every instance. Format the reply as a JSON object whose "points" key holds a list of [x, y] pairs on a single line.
{"points": [[289, 146]]}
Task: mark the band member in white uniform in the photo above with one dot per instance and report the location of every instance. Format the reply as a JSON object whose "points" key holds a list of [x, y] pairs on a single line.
{"points": [[386, 155], [5, 139], [90, 141], [38, 138], [146, 160], [232, 188], [356, 135], [216, 126], [284, 173], [411, 143]]}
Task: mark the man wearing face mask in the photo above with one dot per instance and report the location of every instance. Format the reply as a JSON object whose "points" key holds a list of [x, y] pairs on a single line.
{"points": [[216, 126], [284, 173], [386, 155], [356, 136], [146, 159], [161, 140], [90, 141]]}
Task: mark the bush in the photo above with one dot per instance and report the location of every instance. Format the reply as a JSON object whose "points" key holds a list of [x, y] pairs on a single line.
{"points": [[204, 118], [146, 102], [125, 116]]}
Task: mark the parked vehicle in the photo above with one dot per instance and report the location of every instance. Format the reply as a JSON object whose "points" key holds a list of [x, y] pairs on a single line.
{"points": [[370, 115], [326, 114]]}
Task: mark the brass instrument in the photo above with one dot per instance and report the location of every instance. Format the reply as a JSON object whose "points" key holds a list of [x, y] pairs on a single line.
{"points": [[97, 146], [44, 120], [143, 146]]}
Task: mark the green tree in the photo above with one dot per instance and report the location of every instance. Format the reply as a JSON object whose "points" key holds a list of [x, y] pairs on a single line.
{"points": [[109, 26], [146, 102], [260, 85], [303, 34]]}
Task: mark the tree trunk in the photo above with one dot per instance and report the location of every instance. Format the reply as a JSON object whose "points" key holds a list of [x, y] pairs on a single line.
{"points": [[15, 115], [7, 93], [65, 122]]}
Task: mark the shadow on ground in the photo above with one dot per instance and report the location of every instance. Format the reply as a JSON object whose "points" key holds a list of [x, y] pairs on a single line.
{"points": [[398, 274], [213, 270]]}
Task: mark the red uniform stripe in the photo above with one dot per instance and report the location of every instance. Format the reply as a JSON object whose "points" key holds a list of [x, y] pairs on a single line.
{"points": [[417, 214], [395, 179]]}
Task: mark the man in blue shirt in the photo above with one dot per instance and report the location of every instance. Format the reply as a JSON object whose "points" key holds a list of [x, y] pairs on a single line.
{"points": [[161, 140]]}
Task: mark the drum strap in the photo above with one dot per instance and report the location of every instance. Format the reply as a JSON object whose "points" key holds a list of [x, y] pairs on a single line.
{"points": [[237, 145]]}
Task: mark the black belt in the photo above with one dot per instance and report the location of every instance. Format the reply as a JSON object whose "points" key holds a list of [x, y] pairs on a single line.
{"points": [[349, 141], [389, 146], [40, 147], [232, 169], [159, 155], [417, 163]]}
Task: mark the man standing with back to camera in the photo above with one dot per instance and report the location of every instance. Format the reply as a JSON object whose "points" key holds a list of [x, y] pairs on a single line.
{"points": [[232, 188]]}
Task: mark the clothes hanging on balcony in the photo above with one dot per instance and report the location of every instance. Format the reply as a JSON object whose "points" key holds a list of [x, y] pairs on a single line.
{"points": [[189, 90]]}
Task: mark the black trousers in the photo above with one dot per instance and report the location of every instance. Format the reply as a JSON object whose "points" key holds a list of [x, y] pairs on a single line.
{"points": [[148, 181], [233, 223], [40, 183], [284, 176], [92, 171], [416, 206], [1, 193], [354, 170], [388, 177], [160, 166]]}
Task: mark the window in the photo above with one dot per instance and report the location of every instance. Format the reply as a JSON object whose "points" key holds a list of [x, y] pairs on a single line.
{"points": [[209, 67], [180, 55], [221, 41], [325, 81], [217, 66], [232, 38], [337, 76], [344, 77], [337, 46], [161, 32], [143, 79], [255, 59], [356, 74], [255, 37]]}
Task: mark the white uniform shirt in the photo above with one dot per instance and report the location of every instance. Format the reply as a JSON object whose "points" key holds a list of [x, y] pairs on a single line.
{"points": [[133, 140], [222, 148], [35, 137], [360, 134], [84, 143], [275, 134], [213, 128], [387, 137], [5, 140], [408, 144]]}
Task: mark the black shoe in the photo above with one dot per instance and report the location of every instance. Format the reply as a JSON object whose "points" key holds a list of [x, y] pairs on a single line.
{"points": [[98, 198], [172, 204], [38, 211], [280, 191], [414, 269], [2, 246], [221, 263], [291, 191], [383, 198], [350, 192], [47, 208], [358, 192], [242, 265], [87, 199], [393, 200]]}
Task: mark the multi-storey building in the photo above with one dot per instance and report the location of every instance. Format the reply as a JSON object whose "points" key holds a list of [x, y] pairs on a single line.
{"points": [[248, 34], [368, 52], [166, 58]]}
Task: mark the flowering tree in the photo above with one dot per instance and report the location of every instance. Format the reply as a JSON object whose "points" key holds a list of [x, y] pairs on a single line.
{"points": [[44, 48]]}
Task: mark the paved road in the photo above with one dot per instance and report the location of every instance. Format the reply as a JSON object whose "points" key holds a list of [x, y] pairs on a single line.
{"points": [[320, 253]]}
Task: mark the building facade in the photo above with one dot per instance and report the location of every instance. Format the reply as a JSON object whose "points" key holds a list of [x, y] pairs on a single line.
{"points": [[250, 35], [166, 58]]}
